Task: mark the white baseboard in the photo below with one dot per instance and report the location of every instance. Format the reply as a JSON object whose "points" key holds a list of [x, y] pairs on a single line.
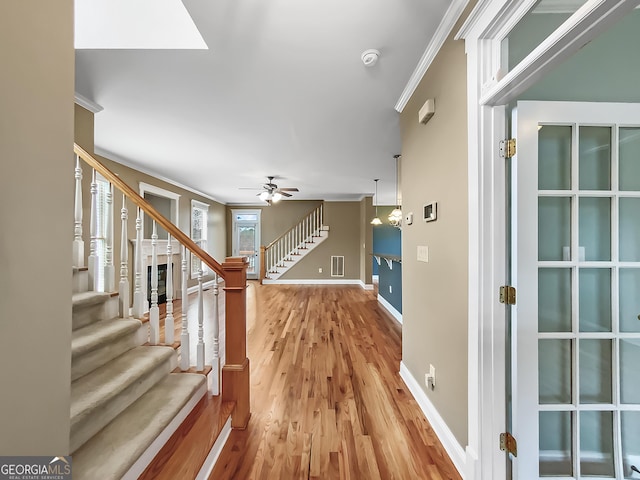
{"points": [[366, 286], [390, 308], [312, 281], [445, 435], [149, 454], [375, 278], [214, 453]]}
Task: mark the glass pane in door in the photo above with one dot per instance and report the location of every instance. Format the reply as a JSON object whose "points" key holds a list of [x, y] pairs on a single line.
{"points": [[554, 153], [554, 371], [596, 444], [595, 228], [629, 368], [630, 229], [556, 457], [630, 159], [554, 228], [554, 300], [595, 371], [595, 158], [595, 299], [629, 299], [630, 423], [247, 245]]}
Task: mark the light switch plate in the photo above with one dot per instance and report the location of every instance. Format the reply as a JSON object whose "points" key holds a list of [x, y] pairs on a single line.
{"points": [[423, 253]]}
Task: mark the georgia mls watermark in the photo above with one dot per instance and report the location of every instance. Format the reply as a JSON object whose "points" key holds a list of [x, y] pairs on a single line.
{"points": [[35, 468]]}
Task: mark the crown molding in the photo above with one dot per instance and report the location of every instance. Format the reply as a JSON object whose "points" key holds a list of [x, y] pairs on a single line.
{"points": [[90, 105], [127, 163], [439, 37]]}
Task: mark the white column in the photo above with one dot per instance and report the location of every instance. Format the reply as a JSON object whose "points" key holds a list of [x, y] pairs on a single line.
{"points": [[184, 335], [94, 268], [321, 215], [78, 243], [200, 346], [138, 295], [215, 325], [154, 311], [109, 268], [168, 319], [123, 286]]}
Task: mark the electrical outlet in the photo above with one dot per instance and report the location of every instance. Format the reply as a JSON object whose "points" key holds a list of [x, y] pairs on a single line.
{"points": [[390, 289], [430, 378], [320, 270]]}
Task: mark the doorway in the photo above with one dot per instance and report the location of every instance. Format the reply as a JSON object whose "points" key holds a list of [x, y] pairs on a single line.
{"points": [[246, 239]]}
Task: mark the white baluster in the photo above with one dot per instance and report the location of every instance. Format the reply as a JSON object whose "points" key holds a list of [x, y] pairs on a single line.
{"points": [[184, 336], [138, 294], [215, 356], [109, 268], [200, 346], [154, 311], [94, 268], [78, 243], [168, 319], [123, 287]]}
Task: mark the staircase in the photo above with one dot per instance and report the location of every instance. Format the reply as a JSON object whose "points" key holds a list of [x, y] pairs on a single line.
{"points": [[128, 395], [123, 394], [291, 247]]}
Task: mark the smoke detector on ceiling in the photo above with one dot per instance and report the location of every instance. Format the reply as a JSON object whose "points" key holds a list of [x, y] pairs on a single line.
{"points": [[370, 57]]}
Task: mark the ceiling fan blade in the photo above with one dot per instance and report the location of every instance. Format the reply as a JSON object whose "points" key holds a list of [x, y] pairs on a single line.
{"points": [[285, 194], [248, 188], [291, 189]]}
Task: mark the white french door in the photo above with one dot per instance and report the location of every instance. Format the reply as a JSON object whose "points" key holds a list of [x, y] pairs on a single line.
{"points": [[576, 266], [246, 239]]}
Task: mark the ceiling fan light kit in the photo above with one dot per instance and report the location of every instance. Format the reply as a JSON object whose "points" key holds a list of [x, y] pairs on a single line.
{"points": [[272, 194]]}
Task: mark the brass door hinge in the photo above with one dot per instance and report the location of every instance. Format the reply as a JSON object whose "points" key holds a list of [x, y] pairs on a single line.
{"points": [[508, 444], [508, 295], [508, 148]]}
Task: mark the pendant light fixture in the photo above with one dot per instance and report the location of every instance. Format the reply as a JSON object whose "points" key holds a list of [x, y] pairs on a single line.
{"points": [[376, 220], [395, 217]]}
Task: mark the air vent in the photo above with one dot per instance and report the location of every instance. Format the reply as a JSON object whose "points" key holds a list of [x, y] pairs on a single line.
{"points": [[337, 266]]}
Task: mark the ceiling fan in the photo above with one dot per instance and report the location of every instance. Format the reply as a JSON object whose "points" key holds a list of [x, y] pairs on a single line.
{"points": [[271, 193]]}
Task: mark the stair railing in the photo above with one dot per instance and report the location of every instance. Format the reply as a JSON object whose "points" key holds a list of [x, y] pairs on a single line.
{"points": [[290, 243], [233, 376]]}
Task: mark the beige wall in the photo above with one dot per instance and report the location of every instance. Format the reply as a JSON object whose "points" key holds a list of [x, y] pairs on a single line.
{"points": [[366, 239], [434, 168], [36, 201], [217, 233], [343, 219]]}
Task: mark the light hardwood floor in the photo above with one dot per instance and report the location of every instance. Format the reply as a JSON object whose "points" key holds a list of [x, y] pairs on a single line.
{"points": [[327, 399]]}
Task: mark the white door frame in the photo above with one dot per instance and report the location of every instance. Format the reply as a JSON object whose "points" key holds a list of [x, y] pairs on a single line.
{"points": [[487, 94], [257, 212]]}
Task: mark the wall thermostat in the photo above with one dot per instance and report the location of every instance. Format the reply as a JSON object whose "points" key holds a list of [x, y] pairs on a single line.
{"points": [[408, 219], [430, 212]]}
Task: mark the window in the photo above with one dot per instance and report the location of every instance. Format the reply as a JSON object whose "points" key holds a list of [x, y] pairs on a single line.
{"points": [[199, 227]]}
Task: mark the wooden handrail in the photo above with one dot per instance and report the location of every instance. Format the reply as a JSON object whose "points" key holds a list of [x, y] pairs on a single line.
{"points": [[149, 210], [294, 226]]}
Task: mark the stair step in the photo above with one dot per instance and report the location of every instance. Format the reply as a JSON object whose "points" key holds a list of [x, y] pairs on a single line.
{"points": [[98, 343], [90, 307], [116, 448], [98, 398]]}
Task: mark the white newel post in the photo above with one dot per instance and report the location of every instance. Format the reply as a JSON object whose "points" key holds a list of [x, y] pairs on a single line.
{"points": [[123, 286], [138, 296], [215, 357], [78, 243], [94, 268], [200, 345], [154, 311], [109, 268], [168, 319], [184, 336]]}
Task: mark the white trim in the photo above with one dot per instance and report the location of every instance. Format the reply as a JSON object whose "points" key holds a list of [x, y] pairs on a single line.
{"points": [[205, 285], [375, 278], [366, 286], [583, 26], [128, 163], [152, 450], [87, 104], [449, 20], [444, 434], [161, 192], [390, 308], [214, 453], [312, 281]]}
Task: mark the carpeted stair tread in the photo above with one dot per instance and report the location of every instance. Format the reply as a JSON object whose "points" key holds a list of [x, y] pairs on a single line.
{"points": [[93, 336], [113, 450], [84, 299], [98, 398]]}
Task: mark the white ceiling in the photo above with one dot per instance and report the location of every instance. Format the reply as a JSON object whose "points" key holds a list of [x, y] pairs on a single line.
{"points": [[281, 91]]}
